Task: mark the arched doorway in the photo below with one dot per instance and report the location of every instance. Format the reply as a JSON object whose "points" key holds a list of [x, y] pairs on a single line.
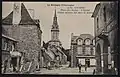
{"points": [[98, 59]]}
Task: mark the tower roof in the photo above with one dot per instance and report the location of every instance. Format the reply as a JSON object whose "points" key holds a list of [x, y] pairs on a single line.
{"points": [[55, 23], [8, 20], [25, 16], [55, 13]]}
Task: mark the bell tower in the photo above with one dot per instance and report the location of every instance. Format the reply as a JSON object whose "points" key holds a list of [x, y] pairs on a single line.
{"points": [[55, 31], [55, 28]]}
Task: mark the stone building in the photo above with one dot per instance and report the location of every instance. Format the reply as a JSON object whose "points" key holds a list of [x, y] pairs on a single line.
{"points": [[82, 50], [105, 26], [20, 26]]}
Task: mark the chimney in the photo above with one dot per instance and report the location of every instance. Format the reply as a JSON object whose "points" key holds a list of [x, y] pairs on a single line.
{"points": [[16, 12]]}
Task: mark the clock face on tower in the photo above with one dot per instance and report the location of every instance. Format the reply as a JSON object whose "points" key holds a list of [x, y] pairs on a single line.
{"points": [[16, 8]]}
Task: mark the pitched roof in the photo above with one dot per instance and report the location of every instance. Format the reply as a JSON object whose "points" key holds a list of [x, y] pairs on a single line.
{"points": [[74, 37], [25, 17], [82, 36], [10, 38], [60, 50], [46, 55], [8, 20]]}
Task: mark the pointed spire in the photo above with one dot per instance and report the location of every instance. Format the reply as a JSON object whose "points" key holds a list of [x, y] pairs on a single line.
{"points": [[55, 19], [55, 13]]}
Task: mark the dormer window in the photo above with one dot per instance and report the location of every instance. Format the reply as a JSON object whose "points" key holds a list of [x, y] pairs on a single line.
{"points": [[79, 41], [87, 42]]}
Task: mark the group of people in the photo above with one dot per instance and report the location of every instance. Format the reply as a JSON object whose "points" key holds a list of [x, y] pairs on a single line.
{"points": [[80, 65]]}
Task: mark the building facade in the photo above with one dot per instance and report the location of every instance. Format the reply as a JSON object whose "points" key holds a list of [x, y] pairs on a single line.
{"points": [[105, 26], [20, 26], [82, 50]]}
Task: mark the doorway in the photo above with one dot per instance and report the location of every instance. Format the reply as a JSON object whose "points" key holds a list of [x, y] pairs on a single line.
{"points": [[87, 62]]}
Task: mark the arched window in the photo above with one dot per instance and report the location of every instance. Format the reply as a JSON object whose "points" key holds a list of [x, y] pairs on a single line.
{"points": [[79, 41], [87, 42]]}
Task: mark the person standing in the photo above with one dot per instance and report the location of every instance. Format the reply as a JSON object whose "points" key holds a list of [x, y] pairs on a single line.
{"points": [[94, 72], [79, 65], [85, 67]]}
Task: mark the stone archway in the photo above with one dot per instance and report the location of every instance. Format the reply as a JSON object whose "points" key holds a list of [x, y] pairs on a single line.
{"points": [[98, 58]]}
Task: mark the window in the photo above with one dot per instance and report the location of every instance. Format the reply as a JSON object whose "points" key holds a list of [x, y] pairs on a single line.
{"points": [[4, 44], [79, 49], [13, 46], [104, 9], [79, 41], [8, 45], [87, 41], [92, 51], [97, 23], [87, 50]]}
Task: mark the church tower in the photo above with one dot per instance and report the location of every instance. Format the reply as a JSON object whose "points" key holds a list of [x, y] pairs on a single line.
{"points": [[55, 30]]}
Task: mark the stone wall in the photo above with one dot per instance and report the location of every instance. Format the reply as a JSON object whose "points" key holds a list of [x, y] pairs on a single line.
{"points": [[29, 39]]}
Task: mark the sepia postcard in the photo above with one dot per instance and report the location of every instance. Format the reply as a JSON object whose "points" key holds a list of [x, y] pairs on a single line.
{"points": [[60, 38]]}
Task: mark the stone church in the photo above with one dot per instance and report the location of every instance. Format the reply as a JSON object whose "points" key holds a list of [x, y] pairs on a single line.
{"points": [[53, 48]]}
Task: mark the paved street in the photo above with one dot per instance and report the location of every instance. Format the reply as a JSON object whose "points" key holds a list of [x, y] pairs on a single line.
{"points": [[65, 70]]}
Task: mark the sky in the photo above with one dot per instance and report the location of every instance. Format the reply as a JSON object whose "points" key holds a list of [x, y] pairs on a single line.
{"points": [[77, 24]]}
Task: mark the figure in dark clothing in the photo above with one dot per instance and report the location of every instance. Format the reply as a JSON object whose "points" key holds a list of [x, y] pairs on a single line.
{"points": [[14, 68], [94, 72], [5, 66], [79, 65]]}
